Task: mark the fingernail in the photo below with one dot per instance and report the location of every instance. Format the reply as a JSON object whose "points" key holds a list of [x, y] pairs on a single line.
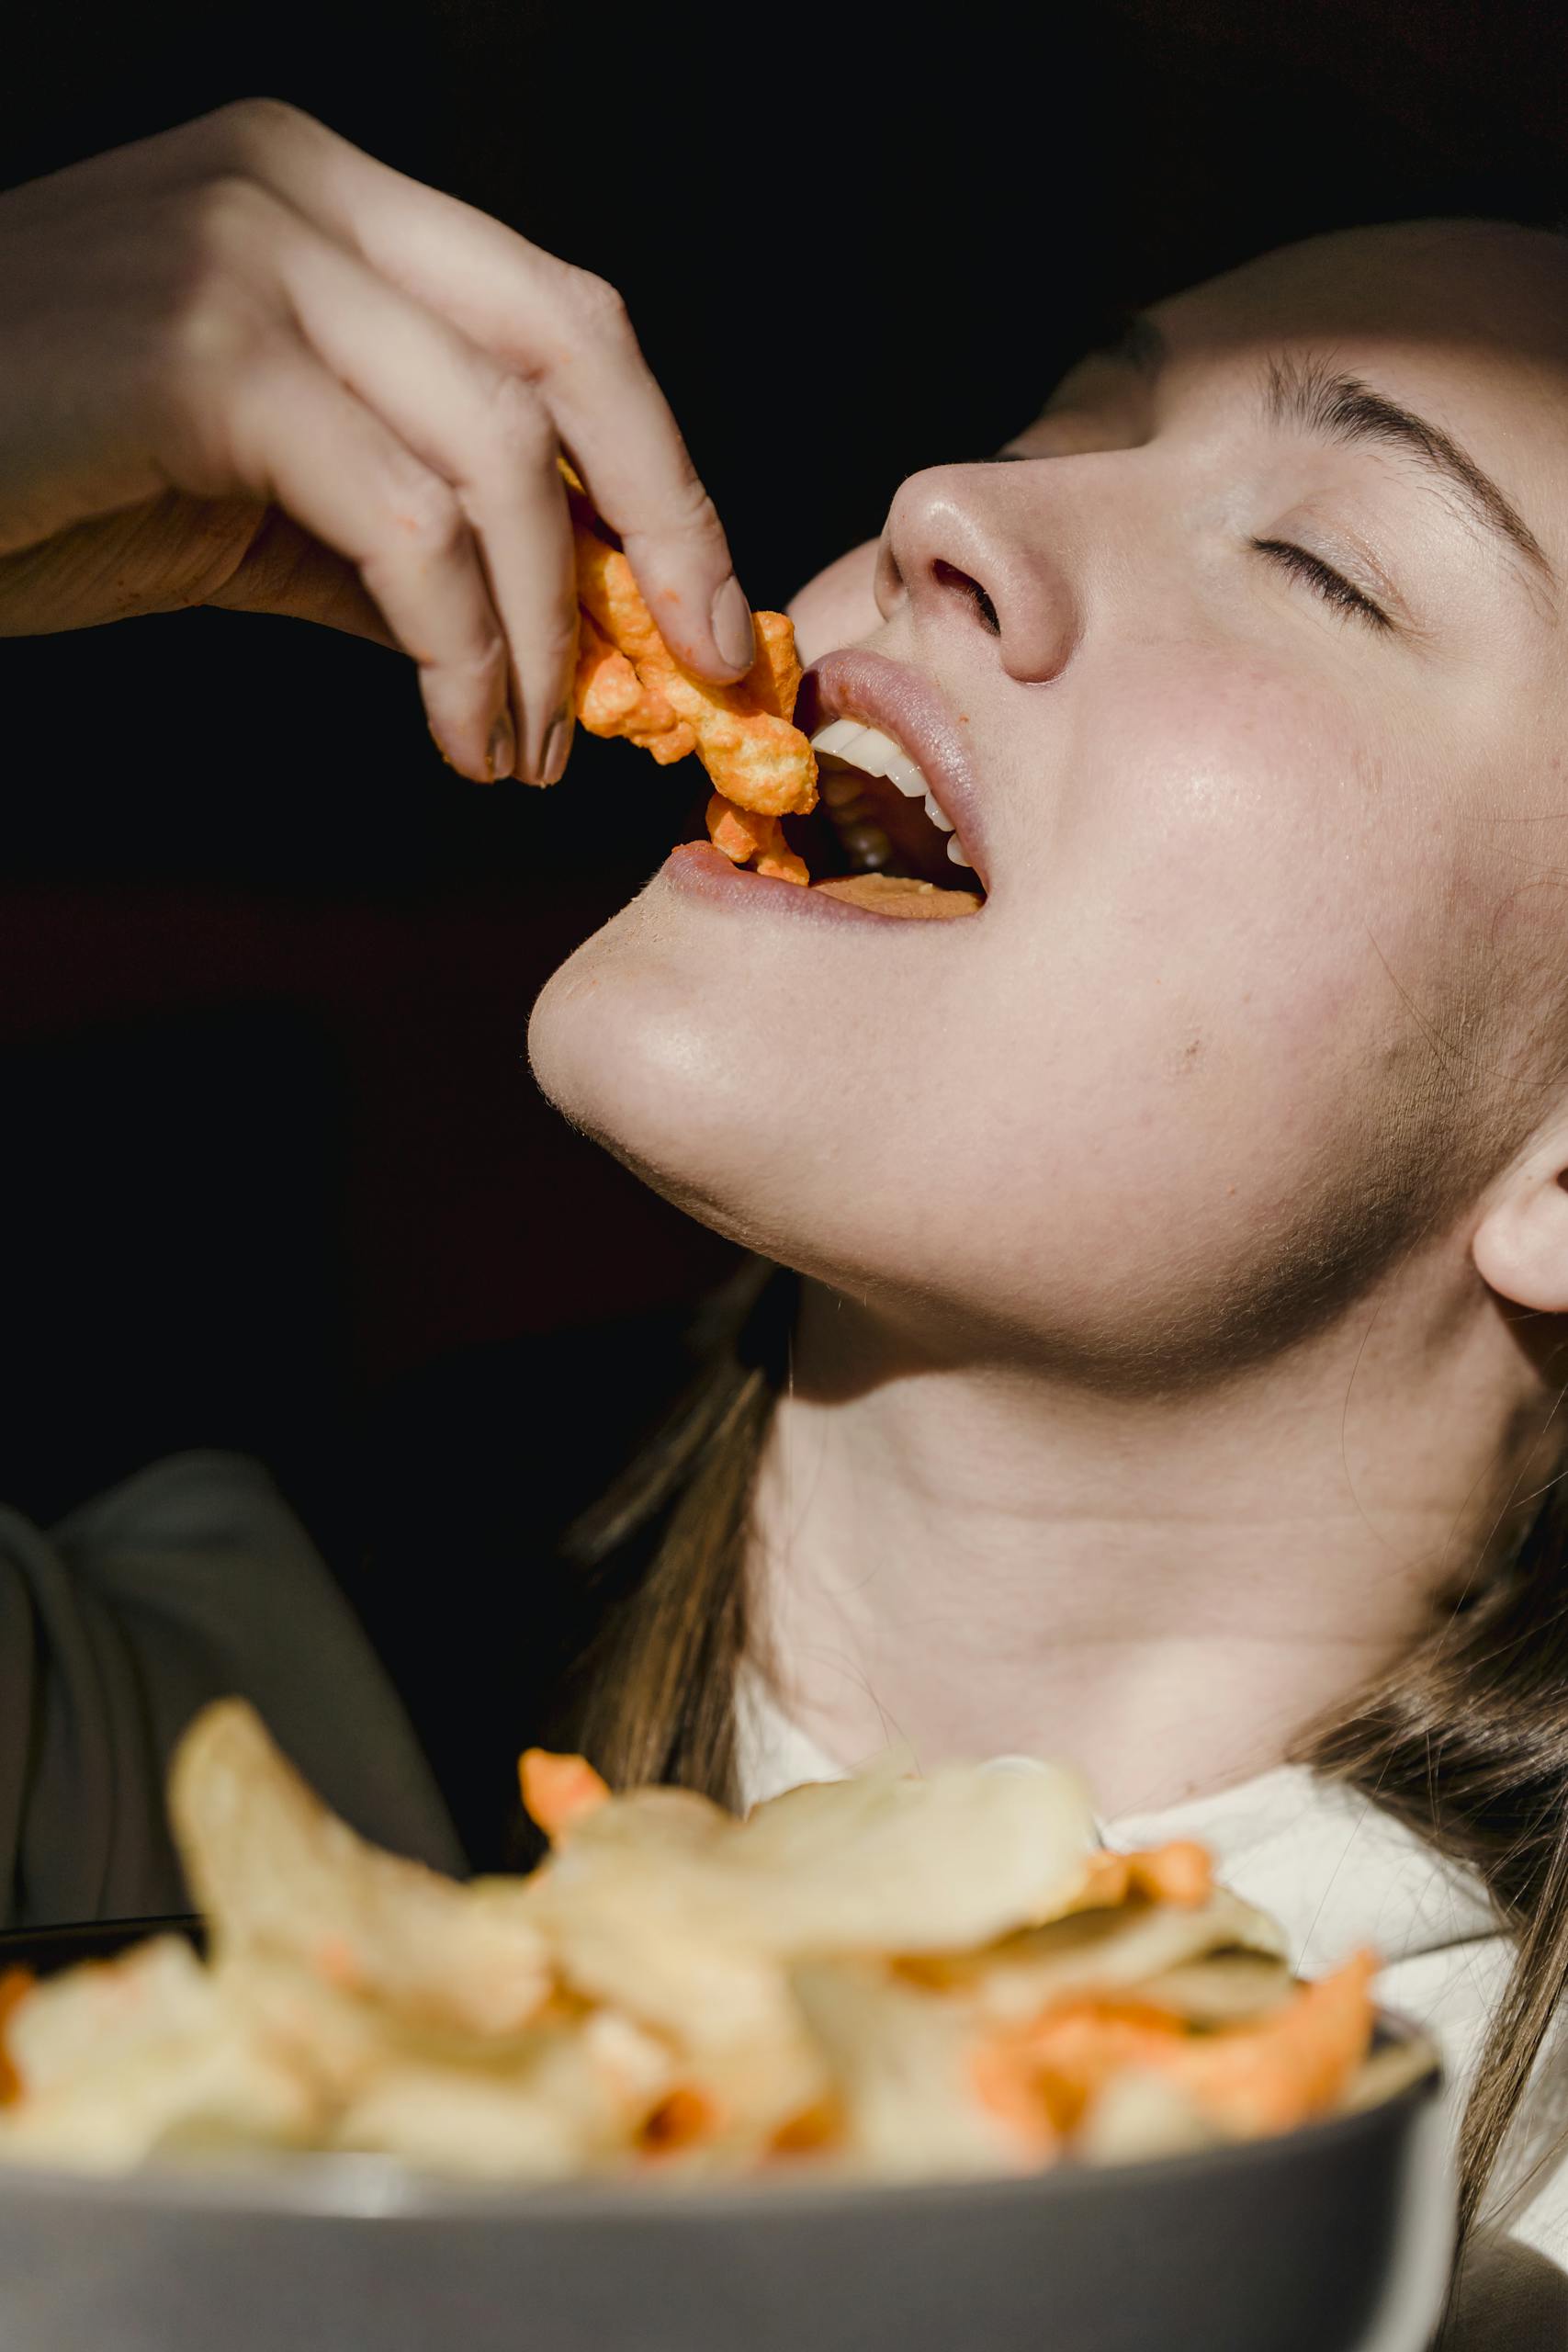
{"points": [[557, 744], [503, 753], [732, 625]]}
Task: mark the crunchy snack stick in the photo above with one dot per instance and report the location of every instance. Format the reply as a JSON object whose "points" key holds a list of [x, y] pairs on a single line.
{"points": [[629, 683]]}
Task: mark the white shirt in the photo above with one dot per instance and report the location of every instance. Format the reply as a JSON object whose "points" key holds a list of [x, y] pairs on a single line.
{"points": [[1336, 1873]]}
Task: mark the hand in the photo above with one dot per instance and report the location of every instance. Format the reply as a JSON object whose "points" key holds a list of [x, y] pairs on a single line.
{"points": [[245, 364]]}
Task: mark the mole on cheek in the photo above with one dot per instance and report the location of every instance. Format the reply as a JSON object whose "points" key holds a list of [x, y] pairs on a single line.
{"points": [[1187, 1060]]}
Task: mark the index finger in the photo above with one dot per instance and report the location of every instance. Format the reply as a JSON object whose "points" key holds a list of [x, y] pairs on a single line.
{"points": [[563, 329], [618, 429]]}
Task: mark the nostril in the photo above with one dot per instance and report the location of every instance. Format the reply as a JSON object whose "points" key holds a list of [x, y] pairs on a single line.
{"points": [[948, 576]]}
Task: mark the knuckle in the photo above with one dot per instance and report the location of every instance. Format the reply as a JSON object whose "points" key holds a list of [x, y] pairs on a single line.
{"points": [[682, 510], [520, 430], [473, 676], [252, 123], [211, 294], [228, 216], [598, 308], [425, 522], [694, 510], [219, 334], [488, 663], [554, 649]]}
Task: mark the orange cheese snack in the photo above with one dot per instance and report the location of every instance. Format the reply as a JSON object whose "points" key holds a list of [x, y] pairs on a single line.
{"points": [[559, 1789], [1181, 1873], [1252, 2080], [629, 683], [16, 1983], [611, 699], [741, 835]]}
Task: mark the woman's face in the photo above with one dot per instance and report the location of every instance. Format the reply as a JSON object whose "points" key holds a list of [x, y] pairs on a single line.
{"points": [[1262, 695]]}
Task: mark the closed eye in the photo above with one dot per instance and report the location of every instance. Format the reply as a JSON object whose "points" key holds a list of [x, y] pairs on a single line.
{"points": [[1330, 586]]}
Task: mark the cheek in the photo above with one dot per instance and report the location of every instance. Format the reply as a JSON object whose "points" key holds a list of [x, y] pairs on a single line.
{"points": [[1206, 1028], [1228, 829], [839, 607]]}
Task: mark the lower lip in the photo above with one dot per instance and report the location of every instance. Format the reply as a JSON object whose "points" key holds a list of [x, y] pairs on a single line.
{"points": [[699, 871]]}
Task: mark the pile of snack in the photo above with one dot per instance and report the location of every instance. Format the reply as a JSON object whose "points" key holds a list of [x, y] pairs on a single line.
{"points": [[891, 1976]]}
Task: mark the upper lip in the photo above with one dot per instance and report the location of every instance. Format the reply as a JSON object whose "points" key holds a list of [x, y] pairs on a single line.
{"points": [[858, 683]]}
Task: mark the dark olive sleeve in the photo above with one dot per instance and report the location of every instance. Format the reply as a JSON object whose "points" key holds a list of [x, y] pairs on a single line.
{"points": [[191, 1581]]}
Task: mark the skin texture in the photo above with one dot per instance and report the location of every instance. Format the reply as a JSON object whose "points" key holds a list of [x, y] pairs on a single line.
{"points": [[1184, 1234]]}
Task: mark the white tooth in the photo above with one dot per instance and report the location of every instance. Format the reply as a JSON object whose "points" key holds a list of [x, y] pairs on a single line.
{"points": [[957, 852], [936, 816], [836, 735], [869, 748], [879, 755]]}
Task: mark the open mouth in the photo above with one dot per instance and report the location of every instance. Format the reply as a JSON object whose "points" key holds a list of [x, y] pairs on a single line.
{"points": [[877, 815], [878, 838]]}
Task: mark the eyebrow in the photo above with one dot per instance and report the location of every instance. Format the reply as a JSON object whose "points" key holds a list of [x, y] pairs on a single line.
{"points": [[1306, 394]]}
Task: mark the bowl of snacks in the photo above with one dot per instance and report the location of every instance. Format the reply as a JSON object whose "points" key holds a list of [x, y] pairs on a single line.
{"points": [[901, 2060]]}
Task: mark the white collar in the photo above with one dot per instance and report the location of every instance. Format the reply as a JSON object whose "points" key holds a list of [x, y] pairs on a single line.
{"points": [[1333, 1869]]}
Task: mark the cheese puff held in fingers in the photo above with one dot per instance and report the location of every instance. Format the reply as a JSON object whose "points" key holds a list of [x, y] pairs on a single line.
{"points": [[741, 734], [612, 700]]}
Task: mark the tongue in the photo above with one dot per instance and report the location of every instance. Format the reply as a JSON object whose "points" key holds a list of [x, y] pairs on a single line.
{"points": [[901, 895]]}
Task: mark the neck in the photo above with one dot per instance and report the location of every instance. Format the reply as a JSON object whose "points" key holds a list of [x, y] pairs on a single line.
{"points": [[1163, 1591]]}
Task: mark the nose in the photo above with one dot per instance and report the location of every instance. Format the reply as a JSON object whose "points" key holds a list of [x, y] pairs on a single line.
{"points": [[966, 548]]}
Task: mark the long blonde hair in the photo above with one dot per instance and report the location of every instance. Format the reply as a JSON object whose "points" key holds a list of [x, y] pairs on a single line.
{"points": [[1466, 1740]]}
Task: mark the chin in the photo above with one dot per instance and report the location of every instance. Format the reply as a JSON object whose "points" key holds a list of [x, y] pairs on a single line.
{"points": [[625, 1045], [687, 1078], [697, 1054]]}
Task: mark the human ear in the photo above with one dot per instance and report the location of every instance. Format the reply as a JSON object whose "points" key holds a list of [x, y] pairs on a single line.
{"points": [[1520, 1247]]}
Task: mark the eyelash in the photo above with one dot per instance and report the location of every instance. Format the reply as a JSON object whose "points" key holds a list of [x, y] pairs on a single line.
{"points": [[1328, 583]]}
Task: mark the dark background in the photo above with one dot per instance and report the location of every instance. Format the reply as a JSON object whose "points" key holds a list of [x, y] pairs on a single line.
{"points": [[277, 1176]]}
